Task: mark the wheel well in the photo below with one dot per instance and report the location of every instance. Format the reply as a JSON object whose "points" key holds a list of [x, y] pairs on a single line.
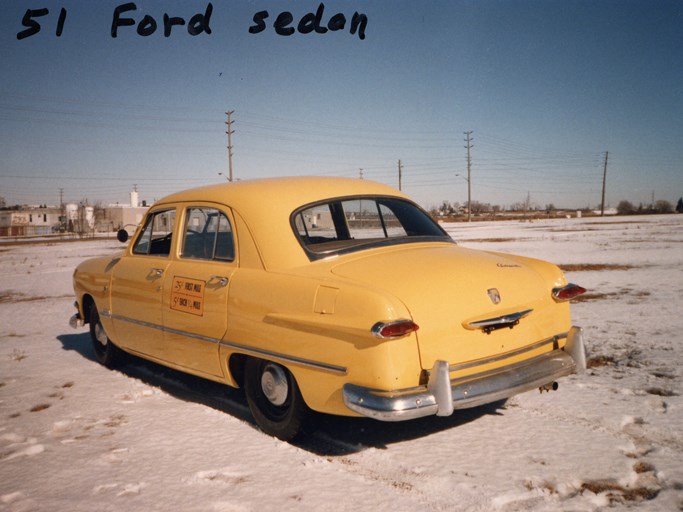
{"points": [[236, 365], [87, 302]]}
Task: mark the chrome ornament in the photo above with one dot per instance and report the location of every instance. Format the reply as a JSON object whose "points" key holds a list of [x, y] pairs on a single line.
{"points": [[494, 295]]}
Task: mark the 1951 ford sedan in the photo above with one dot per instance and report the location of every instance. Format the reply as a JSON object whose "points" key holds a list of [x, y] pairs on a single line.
{"points": [[336, 295]]}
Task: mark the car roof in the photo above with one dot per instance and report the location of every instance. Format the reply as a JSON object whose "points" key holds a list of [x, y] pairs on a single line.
{"points": [[266, 205]]}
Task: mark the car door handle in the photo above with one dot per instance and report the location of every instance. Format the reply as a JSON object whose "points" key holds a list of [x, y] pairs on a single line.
{"points": [[156, 272], [222, 280]]}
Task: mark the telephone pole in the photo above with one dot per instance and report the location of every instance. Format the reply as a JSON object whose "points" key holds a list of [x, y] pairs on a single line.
{"points": [[604, 182], [230, 132], [400, 172], [469, 175]]}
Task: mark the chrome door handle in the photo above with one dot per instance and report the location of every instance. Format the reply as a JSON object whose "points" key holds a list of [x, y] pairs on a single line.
{"points": [[157, 272], [222, 280]]}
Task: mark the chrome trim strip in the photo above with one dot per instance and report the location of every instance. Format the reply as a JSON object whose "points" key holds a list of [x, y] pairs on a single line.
{"points": [[513, 353], [141, 323], [161, 328], [339, 370]]}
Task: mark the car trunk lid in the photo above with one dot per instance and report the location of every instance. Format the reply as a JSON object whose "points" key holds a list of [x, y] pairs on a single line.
{"points": [[469, 305]]}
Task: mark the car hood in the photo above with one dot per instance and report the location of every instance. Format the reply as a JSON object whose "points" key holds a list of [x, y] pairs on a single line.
{"points": [[447, 287]]}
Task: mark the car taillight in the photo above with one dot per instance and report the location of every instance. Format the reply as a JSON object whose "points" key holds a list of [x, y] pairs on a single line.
{"points": [[568, 292], [393, 329]]}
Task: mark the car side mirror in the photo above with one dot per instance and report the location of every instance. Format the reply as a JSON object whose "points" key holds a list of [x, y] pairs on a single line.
{"points": [[122, 235]]}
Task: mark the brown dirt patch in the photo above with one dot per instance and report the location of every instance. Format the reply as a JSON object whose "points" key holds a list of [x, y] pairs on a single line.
{"points": [[587, 297], [493, 240], [593, 267], [599, 361], [6, 297], [613, 223], [617, 493], [657, 391], [643, 467]]}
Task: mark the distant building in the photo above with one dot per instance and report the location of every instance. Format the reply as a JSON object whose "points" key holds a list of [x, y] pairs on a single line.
{"points": [[30, 221], [122, 216], [115, 217], [81, 218]]}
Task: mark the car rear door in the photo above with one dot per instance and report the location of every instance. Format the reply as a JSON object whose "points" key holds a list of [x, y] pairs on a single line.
{"points": [[196, 287]]}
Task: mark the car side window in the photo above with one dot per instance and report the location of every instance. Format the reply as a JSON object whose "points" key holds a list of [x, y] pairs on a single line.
{"points": [[207, 235], [157, 235]]}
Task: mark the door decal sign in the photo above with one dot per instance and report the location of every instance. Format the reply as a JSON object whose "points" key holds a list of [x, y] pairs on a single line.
{"points": [[187, 295]]}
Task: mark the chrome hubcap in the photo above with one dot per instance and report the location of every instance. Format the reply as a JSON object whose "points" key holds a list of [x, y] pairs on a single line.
{"points": [[274, 384]]}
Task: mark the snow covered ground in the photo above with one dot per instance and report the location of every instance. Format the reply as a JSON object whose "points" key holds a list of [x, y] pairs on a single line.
{"points": [[75, 436]]}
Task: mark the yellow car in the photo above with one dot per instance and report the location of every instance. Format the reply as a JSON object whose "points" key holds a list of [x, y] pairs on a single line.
{"points": [[336, 295]]}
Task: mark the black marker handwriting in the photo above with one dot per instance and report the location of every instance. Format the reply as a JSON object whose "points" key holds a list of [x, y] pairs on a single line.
{"points": [[127, 15]]}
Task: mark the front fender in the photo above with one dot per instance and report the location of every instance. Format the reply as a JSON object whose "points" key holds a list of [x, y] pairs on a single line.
{"points": [[92, 283]]}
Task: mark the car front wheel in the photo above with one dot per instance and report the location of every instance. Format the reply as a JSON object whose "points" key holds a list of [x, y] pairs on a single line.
{"points": [[274, 399], [106, 352]]}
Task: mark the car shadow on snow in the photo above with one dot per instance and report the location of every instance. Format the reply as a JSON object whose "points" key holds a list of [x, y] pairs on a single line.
{"points": [[325, 435], [339, 435], [176, 383]]}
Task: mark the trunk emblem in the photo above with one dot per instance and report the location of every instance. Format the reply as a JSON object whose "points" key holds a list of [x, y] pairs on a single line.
{"points": [[494, 295]]}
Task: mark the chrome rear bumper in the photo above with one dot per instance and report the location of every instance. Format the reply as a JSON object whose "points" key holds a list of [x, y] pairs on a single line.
{"points": [[442, 395]]}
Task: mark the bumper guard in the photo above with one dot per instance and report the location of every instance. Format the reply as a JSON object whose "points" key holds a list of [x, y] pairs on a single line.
{"points": [[442, 395]]}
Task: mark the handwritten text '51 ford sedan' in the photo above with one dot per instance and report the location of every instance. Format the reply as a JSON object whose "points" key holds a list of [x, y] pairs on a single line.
{"points": [[336, 295]]}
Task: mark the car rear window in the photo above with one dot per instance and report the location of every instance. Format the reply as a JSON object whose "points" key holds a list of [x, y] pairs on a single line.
{"points": [[350, 224]]}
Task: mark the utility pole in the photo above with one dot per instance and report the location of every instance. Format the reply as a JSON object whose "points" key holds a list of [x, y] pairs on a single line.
{"points": [[604, 182], [62, 212], [399, 175], [360, 173], [229, 132], [469, 176]]}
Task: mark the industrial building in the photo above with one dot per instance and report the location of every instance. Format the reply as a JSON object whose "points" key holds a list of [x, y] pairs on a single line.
{"points": [[81, 219]]}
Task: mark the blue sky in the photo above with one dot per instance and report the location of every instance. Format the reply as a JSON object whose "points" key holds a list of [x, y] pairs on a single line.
{"points": [[546, 87]]}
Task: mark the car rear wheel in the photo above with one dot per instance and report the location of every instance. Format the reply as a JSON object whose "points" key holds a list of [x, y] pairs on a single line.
{"points": [[274, 399], [106, 352]]}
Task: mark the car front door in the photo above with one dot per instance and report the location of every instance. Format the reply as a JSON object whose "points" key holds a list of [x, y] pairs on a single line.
{"points": [[137, 286], [196, 286]]}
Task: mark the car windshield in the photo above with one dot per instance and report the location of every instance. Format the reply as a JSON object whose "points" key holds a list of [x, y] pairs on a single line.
{"points": [[349, 224]]}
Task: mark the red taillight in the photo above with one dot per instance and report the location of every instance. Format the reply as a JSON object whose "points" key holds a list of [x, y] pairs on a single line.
{"points": [[394, 329], [568, 292]]}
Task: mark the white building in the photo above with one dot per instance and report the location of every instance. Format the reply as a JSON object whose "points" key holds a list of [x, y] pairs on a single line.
{"points": [[30, 221]]}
